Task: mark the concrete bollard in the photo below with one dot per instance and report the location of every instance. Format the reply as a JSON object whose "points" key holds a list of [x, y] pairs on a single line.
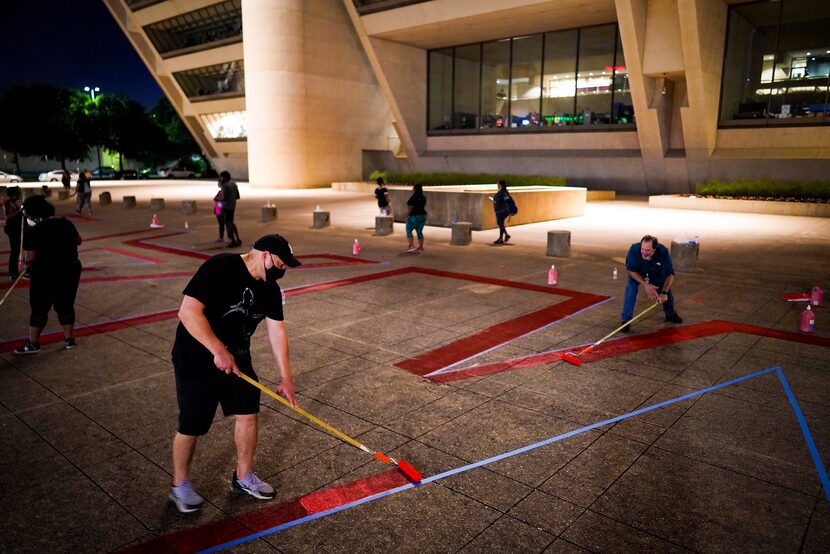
{"points": [[321, 219], [684, 255], [559, 244], [105, 198], [188, 207], [383, 225], [268, 213], [46, 191], [156, 204], [63, 194], [129, 201], [462, 233]]}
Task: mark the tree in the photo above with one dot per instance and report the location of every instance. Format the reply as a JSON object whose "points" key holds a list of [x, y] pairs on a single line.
{"points": [[181, 141], [124, 127], [45, 120]]}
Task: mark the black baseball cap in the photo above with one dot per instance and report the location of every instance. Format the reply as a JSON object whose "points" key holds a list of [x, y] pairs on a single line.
{"points": [[276, 244]]}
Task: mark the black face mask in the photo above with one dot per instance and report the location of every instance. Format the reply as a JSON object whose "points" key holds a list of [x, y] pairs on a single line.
{"points": [[274, 274]]}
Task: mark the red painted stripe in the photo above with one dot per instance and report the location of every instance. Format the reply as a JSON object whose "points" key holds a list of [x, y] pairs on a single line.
{"points": [[125, 233], [627, 345], [141, 243], [131, 254], [23, 284], [200, 537], [84, 218]]}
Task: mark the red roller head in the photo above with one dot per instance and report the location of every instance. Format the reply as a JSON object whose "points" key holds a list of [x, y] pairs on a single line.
{"points": [[572, 358], [383, 458], [410, 471]]}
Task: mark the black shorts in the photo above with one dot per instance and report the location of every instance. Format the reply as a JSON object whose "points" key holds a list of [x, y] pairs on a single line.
{"points": [[199, 396]]}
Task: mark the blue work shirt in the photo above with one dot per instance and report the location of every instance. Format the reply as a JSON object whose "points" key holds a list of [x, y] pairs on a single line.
{"points": [[655, 270]]}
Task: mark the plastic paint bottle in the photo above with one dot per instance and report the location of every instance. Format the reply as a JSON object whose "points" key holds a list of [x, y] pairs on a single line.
{"points": [[615, 274], [808, 321], [817, 296], [356, 248], [553, 276]]}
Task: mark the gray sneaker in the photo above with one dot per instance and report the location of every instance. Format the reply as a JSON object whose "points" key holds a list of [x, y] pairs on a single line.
{"points": [[185, 497], [254, 486]]}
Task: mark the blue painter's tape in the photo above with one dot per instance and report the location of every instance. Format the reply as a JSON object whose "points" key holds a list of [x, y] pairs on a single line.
{"points": [[811, 446], [521, 450]]}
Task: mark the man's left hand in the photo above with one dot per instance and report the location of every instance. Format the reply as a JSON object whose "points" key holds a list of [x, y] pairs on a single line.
{"points": [[286, 388], [662, 298]]}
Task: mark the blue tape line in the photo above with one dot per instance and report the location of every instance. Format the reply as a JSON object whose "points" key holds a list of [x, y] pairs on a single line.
{"points": [[486, 461], [822, 473], [449, 368]]}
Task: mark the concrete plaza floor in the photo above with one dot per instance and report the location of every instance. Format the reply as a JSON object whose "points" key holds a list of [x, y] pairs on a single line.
{"points": [[450, 360]]}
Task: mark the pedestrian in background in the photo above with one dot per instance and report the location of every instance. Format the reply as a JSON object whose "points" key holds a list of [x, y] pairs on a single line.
{"points": [[84, 191], [66, 180], [230, 194], [382, 194], [12, 210], [220, 217], [501, 204], [416, 218]]}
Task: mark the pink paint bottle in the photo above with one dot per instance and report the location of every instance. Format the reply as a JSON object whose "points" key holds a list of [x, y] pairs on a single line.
{"points": [[817, 296], [553, 276], [356, 248], [808, 321]]}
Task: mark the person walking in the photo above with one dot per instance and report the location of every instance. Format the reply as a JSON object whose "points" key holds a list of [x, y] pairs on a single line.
{"points": [[84, 191], [502, 202], [382, 195], [13, 215], [66, 180], [416, 218], [649, 264], [230, 194], [220, 217], [223, 304], [51, 254]]}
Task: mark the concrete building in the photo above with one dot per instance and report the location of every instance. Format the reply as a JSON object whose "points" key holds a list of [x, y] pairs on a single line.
{"points": [[636, 95]]}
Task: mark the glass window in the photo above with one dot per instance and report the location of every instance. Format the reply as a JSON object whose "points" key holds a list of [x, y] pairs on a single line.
{"points": [[466, 87], [777, 63], [217, 22], [526, 82], [440, 89], [225, 79], [594, 75], [226, 125], [623, 112], [495, 84], [559, 81]]}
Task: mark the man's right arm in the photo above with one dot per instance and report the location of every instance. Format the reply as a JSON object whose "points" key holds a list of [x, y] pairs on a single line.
{"points": [[192, 316]]}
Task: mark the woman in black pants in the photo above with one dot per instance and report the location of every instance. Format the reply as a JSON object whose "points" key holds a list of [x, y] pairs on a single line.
{"points": [[230, 194], [501, 204], [51, 253]]}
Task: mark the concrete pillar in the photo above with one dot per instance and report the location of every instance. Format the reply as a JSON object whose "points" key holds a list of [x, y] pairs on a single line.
{"points": [[157, 204], [559, 244], [63, 194], [462, 233], [105, 198], [129, 201], [268, 213], [188, 207], [684, 255], [383, 225], [275, 92], [320, 220]]}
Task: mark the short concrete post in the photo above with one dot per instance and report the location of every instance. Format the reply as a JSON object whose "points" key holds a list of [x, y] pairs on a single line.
{"points": [[105, 198], [156, 204], [63, 194], [321, 219], [188, 207], [383, 225], [129, 201], [559, 244], [46, 191], [462, 233], [684, 255], [268, 213]]}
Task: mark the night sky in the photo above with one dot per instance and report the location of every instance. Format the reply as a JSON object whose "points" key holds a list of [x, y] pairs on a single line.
{"points": [[72, 43]]}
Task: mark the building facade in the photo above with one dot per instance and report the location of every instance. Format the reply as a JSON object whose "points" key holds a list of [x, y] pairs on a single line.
{"points": [[643, 96]]}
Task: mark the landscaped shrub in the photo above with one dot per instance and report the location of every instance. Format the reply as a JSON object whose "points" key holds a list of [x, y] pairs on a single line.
{"points": [[767, 190], [431, 179]]}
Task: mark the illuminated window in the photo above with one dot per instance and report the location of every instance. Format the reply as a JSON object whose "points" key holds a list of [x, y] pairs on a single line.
{"points": [[225, 79], [226, 125], [217, 23]]}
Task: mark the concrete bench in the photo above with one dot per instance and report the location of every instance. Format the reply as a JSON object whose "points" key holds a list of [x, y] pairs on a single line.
{"points": [[383, 225], [268, 213], [188, 207], [105, 198], [462, 233], [320, 220], [559, 244], [129, 201], [684, 255], [156, 204]]}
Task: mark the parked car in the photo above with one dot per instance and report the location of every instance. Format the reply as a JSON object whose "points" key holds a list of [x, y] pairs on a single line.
{"points": [[175, 173], [126, 174], [56, 175], [146, 172], [105, 172], [9, 178]]}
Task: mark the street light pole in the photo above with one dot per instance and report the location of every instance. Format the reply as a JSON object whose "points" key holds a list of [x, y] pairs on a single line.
{"points": [[92, 91]]}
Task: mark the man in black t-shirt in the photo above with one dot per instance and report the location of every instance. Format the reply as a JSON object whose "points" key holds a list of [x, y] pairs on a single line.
{"points": [[382, 194], [50, 248], [226, 299]]}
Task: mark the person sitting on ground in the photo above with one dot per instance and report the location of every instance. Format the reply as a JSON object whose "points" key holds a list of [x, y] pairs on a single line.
{"points": [[51, 254], [649, 264], [417, 218], [382, 194], [223, 304]]}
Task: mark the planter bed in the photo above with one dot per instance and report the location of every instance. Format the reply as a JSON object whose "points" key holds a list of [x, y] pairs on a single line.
{"points": [[775, 207]]}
